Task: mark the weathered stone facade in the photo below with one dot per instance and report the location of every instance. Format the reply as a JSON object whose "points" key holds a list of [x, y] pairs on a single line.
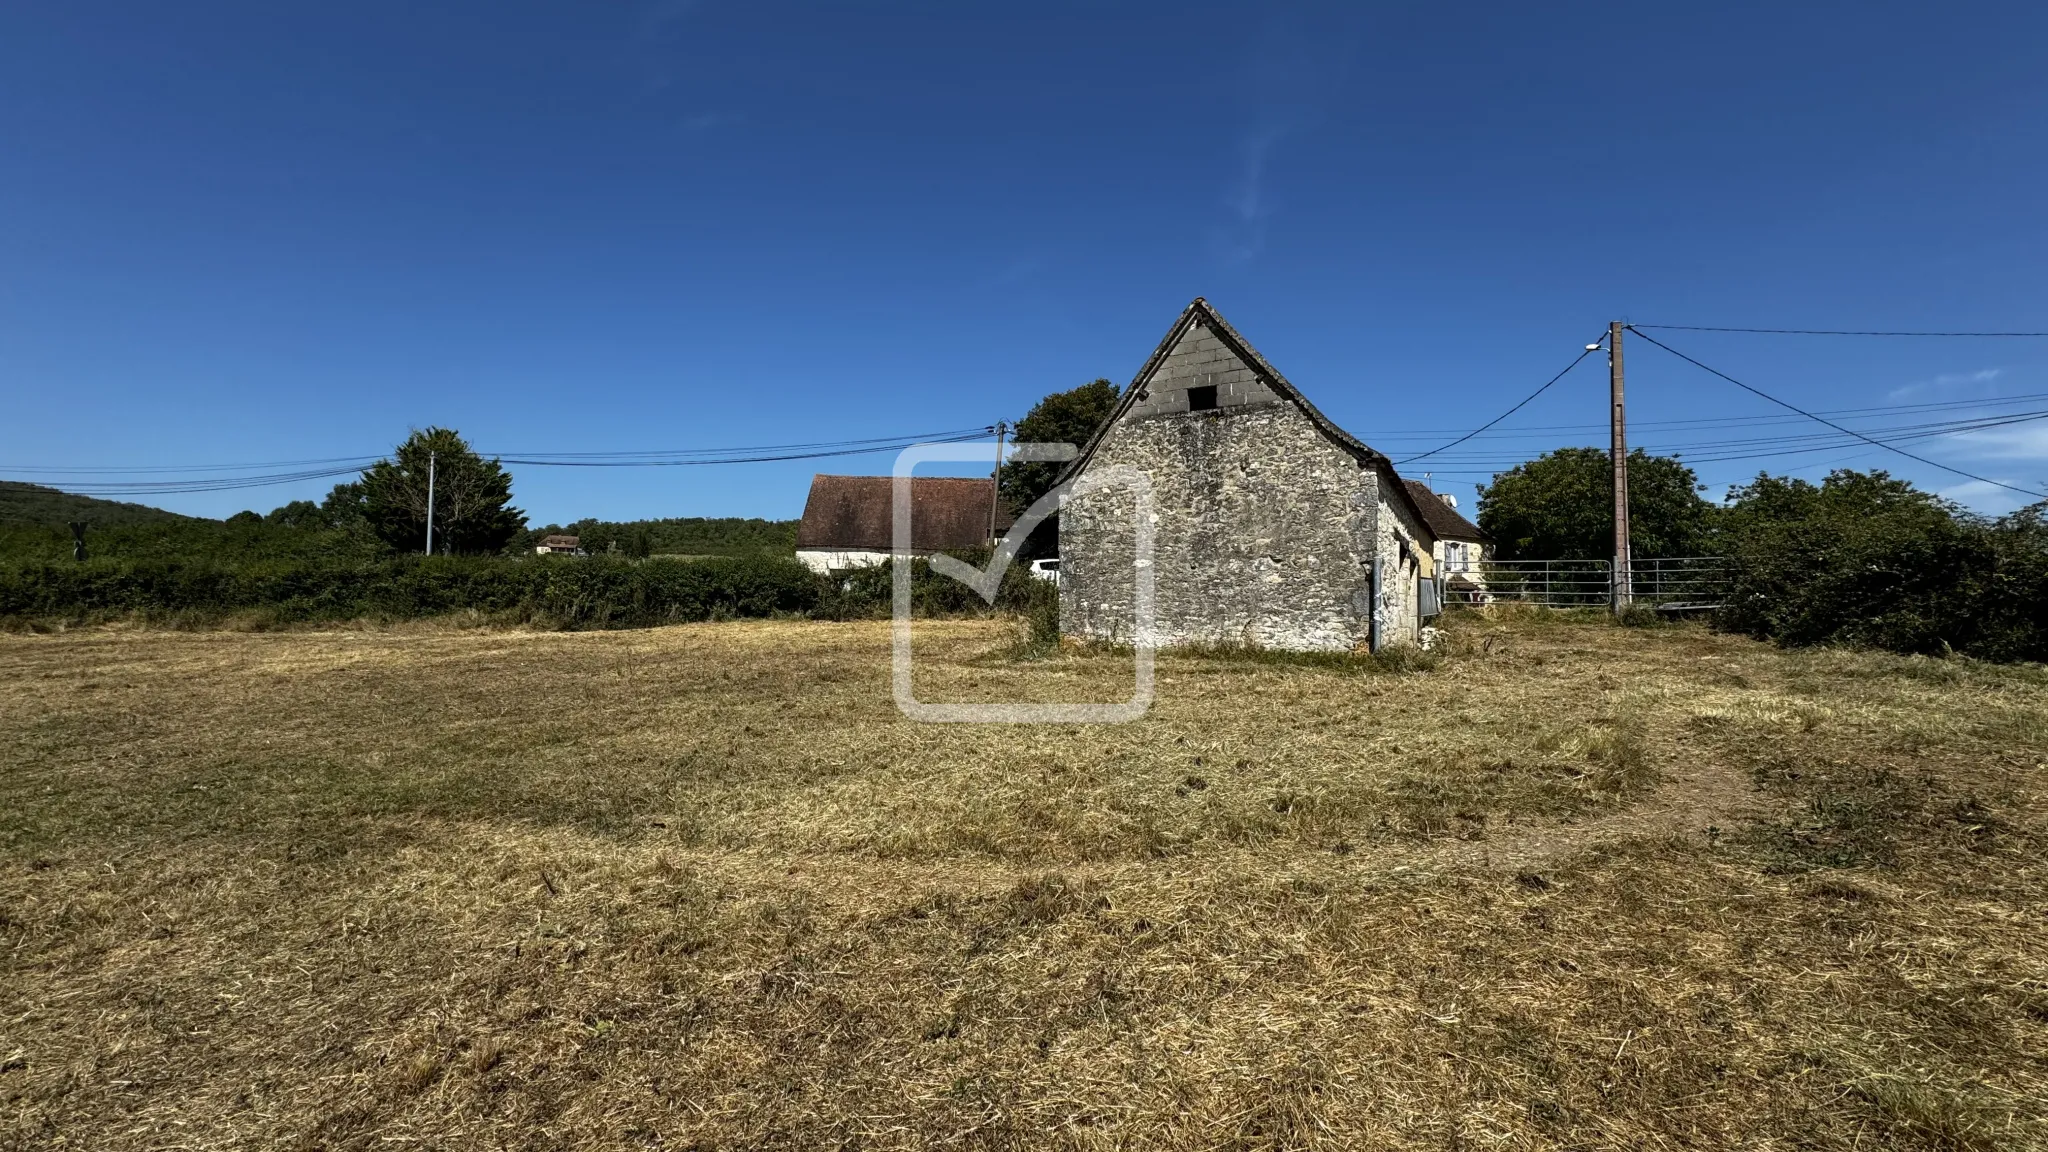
{"points": [[1267, 520]]}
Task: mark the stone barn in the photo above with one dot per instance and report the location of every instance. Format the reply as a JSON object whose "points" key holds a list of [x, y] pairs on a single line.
{"points": [[1271, 525]]}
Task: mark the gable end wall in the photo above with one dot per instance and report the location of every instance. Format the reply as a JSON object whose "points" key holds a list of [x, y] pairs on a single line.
{"points": [[1200, 358], [1264, 530]]}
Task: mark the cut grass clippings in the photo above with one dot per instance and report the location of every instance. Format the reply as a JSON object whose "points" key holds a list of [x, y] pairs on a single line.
{"points": [[1562, 885]]}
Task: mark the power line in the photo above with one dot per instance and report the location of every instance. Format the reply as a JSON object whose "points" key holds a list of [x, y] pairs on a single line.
{"points": [[1835, 426], [672, 458], [1898, 432], [1728, 421], [1805, 444], [1818, 331], [890, 446], [1820, 441], [1590, 348], [358, 462], [210, 484], [1718, 451], [171, 469], [651, 454]]}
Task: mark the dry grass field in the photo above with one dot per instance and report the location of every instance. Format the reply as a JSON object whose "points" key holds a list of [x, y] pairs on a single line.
{"points": [[702, 887]]}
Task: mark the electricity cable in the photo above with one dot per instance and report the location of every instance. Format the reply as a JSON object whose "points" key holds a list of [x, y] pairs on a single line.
{"points": [[1824, 331], [1590, 348], [1832, 424]]}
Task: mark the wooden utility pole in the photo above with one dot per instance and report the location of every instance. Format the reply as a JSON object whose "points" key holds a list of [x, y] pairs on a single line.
{"points": [[1623, 579], [995, 500]]}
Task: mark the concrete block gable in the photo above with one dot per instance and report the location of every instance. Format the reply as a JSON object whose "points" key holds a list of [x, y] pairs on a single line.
{"points": [[1199, 359]]}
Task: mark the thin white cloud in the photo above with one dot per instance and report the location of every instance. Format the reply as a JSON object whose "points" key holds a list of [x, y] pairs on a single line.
{"points": [[1293, 67], [2018, 442], [1987, 499], [1947, 382], [1244, 238]]}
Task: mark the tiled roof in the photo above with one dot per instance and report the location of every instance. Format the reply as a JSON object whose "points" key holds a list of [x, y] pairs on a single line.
{"points": [[857, 513], [560, 541], [1444, 520]]}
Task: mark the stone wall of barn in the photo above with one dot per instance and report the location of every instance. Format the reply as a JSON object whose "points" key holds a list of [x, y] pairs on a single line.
{"points": [[1406, 555], [1263, 529]]}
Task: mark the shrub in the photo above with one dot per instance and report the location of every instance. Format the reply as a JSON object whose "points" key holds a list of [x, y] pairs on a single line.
{"points": [[567, 592], [1866, 559], [573, 593], [869, 592]]}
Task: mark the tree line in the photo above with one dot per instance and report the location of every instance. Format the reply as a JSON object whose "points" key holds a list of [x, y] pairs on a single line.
{"points": [[379, 514], [1859, 557]]}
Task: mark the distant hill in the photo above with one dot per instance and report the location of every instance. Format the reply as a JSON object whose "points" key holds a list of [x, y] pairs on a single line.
{"points": [[35, 504], [33, 521]]}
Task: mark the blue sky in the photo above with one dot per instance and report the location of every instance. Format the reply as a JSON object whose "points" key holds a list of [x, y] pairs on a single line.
{"points": [[252, 232]]}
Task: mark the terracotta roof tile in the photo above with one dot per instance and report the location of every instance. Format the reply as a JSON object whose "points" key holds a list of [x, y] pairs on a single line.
{"points": [[857, 513], [1443, 519]]}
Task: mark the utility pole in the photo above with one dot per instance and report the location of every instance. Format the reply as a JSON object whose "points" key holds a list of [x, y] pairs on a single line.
{"points": [[430, 503], [995, 502], [1623, 591]]}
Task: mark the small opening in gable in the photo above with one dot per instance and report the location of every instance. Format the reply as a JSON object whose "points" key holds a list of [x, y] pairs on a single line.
{"points": [[1202, 398]]}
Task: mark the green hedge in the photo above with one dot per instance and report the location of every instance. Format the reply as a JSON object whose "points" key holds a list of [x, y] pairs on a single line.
{"points": [[568, 592], [1864, 559]]}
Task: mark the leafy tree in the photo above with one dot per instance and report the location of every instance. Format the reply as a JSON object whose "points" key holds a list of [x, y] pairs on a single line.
{"points": [[471, 496], [1070, 417], [1062, 418], [300, 514], [345, 506], [1560, 506], [1846, 495]]}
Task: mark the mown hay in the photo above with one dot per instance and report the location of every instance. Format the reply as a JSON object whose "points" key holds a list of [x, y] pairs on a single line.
{"points": [[702, 886]]}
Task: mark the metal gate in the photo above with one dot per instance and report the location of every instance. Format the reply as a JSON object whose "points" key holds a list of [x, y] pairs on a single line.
{"points": [[1681, 583]]}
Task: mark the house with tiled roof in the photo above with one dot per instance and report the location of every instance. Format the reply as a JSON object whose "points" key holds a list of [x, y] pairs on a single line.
{"points": [[850, 521], [1461, 545]]}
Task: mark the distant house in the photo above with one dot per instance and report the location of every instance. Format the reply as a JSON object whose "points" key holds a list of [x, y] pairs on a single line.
{"points": [[568, 545], [849, 521], [1461, 545]]}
